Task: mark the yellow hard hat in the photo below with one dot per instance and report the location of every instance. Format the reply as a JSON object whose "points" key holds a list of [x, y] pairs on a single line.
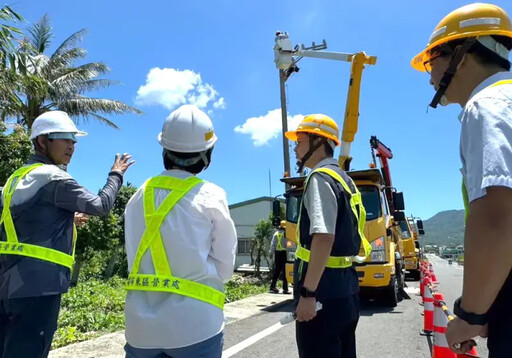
{"points": [[472, 20], [283, 224], [318, 124]]}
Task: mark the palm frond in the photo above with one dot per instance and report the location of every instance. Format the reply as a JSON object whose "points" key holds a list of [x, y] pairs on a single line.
{"points": [[99, 118], [41, 34], [82, 106], [69, 43]]}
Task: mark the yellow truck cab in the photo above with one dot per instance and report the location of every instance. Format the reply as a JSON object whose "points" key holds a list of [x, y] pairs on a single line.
{"points": [[411, 250], [382, 274]]}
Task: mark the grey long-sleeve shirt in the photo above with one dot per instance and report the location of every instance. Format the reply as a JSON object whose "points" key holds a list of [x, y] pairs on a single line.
{"points": [[43, 207]]}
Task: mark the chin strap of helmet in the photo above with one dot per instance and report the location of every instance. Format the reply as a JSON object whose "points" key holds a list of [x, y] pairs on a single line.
{"points": [[452, 68], [315, 142]]}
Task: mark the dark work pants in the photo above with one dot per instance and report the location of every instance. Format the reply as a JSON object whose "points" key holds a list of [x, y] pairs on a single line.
{"points": [[332, 333], [27, 326], [500, 326], [279, 267]]}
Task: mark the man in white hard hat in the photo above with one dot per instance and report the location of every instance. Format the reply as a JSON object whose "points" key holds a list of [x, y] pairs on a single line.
{"points": [[181, 245], [37, 236]]}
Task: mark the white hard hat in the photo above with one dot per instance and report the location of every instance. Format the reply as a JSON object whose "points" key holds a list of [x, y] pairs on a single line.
{"points": [[54, 122], [187, 130]]}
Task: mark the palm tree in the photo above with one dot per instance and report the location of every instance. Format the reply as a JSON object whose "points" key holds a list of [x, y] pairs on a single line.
{"points": [[7, 37], [54, 82]]}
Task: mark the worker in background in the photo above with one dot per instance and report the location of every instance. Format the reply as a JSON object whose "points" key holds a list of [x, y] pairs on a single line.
{"points": [[181, 246], [467, 58], [277, 253], [37, 237], [330, 225]]}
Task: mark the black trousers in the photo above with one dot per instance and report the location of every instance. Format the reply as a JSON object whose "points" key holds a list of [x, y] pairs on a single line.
{"points": [[27, 326], [332, 333], [500, 326], [279, 267]]}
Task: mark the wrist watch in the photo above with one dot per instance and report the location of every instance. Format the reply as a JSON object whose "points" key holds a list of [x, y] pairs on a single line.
{"points": [[304, 292], [471, 318]]}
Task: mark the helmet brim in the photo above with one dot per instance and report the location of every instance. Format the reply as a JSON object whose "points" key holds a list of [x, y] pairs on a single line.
{"points": [[294, 135]]}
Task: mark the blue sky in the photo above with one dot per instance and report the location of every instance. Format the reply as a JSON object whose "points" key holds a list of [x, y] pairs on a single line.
{"points": [[219, 55]]}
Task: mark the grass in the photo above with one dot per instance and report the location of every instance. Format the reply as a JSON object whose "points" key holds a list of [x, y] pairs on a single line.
{"points": [[96, 307]]}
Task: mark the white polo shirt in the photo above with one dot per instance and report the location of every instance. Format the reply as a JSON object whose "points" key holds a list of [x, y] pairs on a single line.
{"points": [[486, 137], [200, 243]]}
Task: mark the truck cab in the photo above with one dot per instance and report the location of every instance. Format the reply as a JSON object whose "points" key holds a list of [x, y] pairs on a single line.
{"points": [[411, 250], [382, 273]]}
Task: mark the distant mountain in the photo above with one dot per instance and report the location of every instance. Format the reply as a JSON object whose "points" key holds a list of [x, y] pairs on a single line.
{"points": [[444, 228]]}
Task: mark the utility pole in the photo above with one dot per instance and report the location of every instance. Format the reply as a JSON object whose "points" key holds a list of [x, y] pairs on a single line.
{"points": [[286, 58], [284, 120]]}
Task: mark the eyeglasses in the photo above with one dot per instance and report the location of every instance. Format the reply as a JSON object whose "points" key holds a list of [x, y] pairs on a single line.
{"points": [[428, 63]]}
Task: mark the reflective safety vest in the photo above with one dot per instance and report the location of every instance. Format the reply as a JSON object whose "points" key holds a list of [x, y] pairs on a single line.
{"points": [[464, 190], [355, 203], [163, 280], [12, 246], [279, 238]]}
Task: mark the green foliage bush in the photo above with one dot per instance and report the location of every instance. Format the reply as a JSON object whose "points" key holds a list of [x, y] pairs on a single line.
{"points": [[91, 309], [95, 307]]}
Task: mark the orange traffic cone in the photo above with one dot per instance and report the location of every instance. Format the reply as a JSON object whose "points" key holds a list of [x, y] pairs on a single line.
{"points": [[440, 347], [431, 270], [472, 353], [428, 310]]}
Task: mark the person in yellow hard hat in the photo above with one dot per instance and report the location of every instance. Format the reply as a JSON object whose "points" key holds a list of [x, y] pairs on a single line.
{"points": [[330, 232], [467, 58], [278, 254]]}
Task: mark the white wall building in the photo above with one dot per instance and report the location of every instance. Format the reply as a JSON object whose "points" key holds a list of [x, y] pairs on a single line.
{"points": [[246, 215]]}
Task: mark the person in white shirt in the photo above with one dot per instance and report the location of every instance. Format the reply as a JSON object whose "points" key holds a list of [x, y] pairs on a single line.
{"points": [[181, 245], [468, 60]]}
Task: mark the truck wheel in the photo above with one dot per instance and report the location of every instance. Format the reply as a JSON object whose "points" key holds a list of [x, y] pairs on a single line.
{"points": [[392, 292], [400, 275]]}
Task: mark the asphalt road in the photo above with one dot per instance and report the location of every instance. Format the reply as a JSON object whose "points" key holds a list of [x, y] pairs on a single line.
{"points": [[450, 285], [382, 332]]}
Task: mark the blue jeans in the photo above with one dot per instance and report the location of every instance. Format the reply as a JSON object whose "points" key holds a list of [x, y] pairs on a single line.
{"points": [[211, 348]]}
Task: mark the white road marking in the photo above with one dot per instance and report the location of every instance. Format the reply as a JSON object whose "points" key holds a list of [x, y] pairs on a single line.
{"points": [[231, 351], [412, 290]]}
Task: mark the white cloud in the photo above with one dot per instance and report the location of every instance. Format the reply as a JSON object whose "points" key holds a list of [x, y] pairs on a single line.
{"points": [[170, 87], [265, 128], [220, 103]]}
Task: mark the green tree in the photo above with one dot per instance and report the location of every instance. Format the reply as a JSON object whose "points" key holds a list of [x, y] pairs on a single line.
{"points": [[100, 245], [260, 243], [15, 149], [47, 82]]}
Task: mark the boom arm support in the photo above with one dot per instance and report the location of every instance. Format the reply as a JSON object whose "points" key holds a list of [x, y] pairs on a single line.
{"points": [[351, 119], [286, 57]]}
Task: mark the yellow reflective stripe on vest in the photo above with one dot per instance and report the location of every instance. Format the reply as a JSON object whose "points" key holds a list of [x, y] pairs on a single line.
{"points": [[279, 246], [332, 261], [163, 280], [13, 246], [465, 197], [355, 200], [171, 284]]}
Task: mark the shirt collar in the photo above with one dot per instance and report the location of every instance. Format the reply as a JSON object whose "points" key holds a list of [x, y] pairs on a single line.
{"points": [[324, 162], [504, 75], [38, 158]]}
